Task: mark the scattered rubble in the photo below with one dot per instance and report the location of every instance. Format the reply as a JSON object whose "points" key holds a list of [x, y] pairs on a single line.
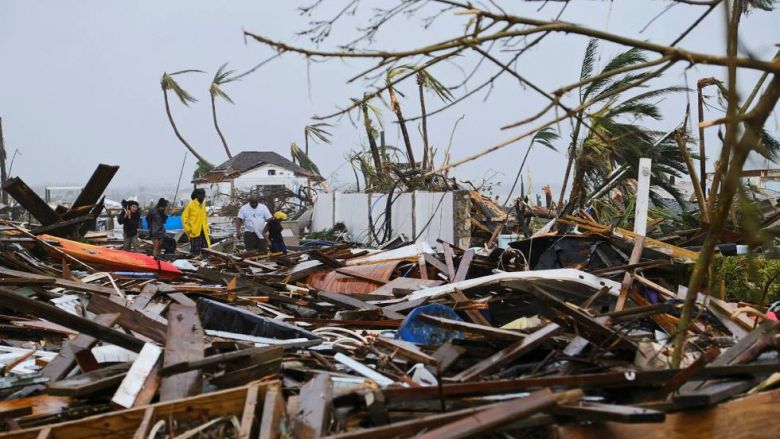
{"points": [[566, 333]]}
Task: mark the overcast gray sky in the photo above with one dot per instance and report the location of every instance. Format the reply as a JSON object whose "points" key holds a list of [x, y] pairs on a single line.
{"points": [[79, 83]]}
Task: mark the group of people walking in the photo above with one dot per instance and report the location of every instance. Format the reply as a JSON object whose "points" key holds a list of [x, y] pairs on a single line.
{"points": [[262, 231]]}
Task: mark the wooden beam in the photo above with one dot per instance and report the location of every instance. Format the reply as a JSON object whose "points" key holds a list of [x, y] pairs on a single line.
{"points": [[448, 261], [628, 279], [249, 416], [501, 414], [509, 353], [598, 412], [473, 328], [262, 353], [10, 299], [89, 383], [184, 344], [465, 264], [273, 412], [748, 417], [314, 408], [65, 361], [130, 319], [406, 350], [351, 302]]}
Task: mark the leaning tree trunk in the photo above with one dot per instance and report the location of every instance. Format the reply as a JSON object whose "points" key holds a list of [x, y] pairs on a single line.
{"points": [[178, 134], [396, 107], [216, 126], [371, 140], [426, 150], [570, 163]]}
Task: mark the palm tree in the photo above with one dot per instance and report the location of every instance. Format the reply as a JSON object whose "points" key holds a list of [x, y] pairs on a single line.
{"points": [[371, 132], [395, 107], [544, 137], [613, 136], [168, 83], [425, 80], [319, 132], [222, 77]]}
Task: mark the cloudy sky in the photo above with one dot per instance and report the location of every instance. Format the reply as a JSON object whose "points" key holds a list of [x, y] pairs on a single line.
{"points": [[79, 83]]}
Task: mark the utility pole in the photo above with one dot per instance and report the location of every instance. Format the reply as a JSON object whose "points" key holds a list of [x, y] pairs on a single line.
{"points": [[3, 175]]}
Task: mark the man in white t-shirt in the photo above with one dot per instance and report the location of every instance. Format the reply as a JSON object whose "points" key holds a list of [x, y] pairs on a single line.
{"points": [[252, 216]]}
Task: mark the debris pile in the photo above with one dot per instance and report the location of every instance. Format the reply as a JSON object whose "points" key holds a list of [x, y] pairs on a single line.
{"points": [[563, 334]]}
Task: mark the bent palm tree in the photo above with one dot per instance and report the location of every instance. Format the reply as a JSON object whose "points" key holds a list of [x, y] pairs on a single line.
{"points": [[319, 132], [395, 107], [614, 136], [168, 83], [222, 77], [544, 137], [425, 80]]}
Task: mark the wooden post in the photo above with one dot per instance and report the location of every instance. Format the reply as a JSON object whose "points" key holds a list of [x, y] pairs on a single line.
{"points": [[640, 228], [642, 196]]}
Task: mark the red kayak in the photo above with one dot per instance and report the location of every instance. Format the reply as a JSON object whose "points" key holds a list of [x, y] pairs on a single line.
{"points": [[114, 260]]}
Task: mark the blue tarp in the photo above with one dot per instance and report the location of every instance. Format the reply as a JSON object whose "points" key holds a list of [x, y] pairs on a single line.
{"points": [[172, 223]]}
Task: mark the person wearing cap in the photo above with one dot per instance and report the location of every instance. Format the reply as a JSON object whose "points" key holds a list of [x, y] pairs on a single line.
{"points": [[130, 219], [156, 222], [273, 232], [252, 216], [195, 223]]}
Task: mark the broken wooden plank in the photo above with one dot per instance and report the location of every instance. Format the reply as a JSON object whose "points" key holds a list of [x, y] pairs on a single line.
{"points": [[184, 344], [273, 413], [473, 314], [314, 409], [447, 354], [351, 302], [363, 370], [91, 382], [130, 319], [65, 361], [406, 350], [749, 417], [143, 370], [449, 262], [509, 353], [599, 412], [628, 279], [262, 353], [580, 322], [465, 264], [249, 416], [489, 419], [19, 303], [473, 328]]}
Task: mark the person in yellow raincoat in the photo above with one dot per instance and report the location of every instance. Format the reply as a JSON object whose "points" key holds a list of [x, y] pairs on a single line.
{"points": [[195, 222]]}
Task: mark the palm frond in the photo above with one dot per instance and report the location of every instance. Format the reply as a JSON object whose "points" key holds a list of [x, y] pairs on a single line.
{"points": [[222, 76], [302, 159], [431, 83], [589, 60], [624, 59], [769, 146], [764, 5], [168, 83], [319, 132], [545, 137]]}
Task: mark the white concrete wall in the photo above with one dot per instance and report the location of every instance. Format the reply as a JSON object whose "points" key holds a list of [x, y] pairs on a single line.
{"points": [[428, 214]]}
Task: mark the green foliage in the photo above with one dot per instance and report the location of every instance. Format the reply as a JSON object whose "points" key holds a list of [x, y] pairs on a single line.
{"points": [[319, 132], [753, 279], [300, 156], [201, 170], [168, 83], [222, 76]]}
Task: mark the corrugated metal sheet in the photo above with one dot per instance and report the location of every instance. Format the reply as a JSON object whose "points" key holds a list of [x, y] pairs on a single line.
{"points": [[336, 282]]}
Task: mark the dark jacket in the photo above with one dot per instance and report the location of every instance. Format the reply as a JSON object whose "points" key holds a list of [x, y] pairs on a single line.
{"points": [[274, 227], [130, 225], [156, 219]]}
